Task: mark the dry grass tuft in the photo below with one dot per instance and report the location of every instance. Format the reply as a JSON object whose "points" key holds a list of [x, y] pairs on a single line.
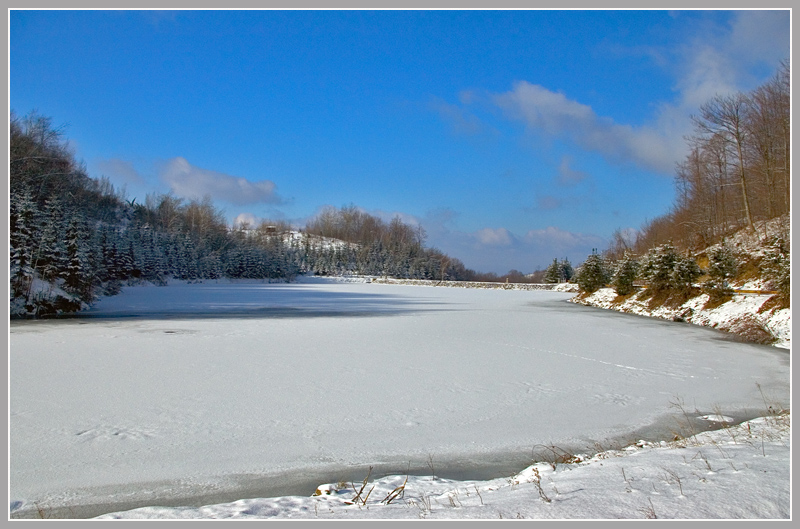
{"points": [[776, 302], [715, 301], [751, 329]]}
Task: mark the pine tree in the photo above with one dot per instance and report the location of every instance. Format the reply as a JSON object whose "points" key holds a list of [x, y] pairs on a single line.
{"points": [[553, 273], [78, 278], [684, 274], [777, 265], [565, 270], [50, 257], [593, 274], [625, 275], [721, 267], [24, 221], [658, 265]]}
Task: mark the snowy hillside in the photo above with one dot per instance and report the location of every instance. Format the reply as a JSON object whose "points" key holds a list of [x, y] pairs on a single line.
{"points": [[743, 315], [753, 311]]}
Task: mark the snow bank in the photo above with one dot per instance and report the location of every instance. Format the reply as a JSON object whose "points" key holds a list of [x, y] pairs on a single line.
{"points": [[737, 472], [559, 287], [730, 316]]}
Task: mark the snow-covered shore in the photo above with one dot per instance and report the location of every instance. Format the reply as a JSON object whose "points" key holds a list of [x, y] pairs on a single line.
{"points": [[736, 472], [555, 287], [741, 314]]}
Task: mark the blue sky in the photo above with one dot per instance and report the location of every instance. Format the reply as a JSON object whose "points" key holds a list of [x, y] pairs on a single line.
{"points": [[512, 137]]}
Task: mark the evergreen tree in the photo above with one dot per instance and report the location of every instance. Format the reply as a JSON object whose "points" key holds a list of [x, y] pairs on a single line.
{"points": [[78, 278], [553, 273], [684, 274], [777, 264], [24, 220], [625, 275], [50, 257], [721, 267], [565, 270], [658, 265], [593, 274]]}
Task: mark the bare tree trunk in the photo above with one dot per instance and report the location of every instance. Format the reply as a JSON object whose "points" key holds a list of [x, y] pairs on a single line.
{"points": [[724, 116]]}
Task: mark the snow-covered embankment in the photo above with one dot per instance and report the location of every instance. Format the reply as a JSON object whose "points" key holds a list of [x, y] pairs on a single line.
{"points": [[745, 314]]}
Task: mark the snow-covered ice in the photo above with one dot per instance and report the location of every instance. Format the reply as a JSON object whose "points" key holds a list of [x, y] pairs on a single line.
{"points": [[738, 472], [204, 394]]}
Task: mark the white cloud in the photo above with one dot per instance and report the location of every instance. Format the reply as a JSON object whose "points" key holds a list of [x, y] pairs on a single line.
{"points": [[554, 114], [717, 59], [500, 250], [189, 181], [388, 216], [705, 73], [760, 36], [246, 219], [721, 60], [552, 236], [494, 237]]}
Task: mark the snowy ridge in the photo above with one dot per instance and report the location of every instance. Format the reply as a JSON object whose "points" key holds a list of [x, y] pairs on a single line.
{"points": [[736, 472]]}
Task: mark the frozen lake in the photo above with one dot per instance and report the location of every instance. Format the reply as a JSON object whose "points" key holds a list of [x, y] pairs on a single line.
{"points": [[189, 394]]}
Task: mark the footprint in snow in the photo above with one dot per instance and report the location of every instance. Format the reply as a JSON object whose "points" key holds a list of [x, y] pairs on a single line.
{"points": [[615, 398], [108, 433]]}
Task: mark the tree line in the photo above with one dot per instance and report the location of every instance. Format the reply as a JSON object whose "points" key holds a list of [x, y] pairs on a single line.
{"points": [[737, 171], [74, 238], [736, 175]]}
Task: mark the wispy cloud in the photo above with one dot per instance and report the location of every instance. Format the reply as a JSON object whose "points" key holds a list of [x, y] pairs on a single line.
{"points": [[716, 59], [461, 120], [547, 202], [563, 242], [760, 35], [567, 176], [498, 249], [160, 17], [189, 181], [553, 114], [719, 60]]}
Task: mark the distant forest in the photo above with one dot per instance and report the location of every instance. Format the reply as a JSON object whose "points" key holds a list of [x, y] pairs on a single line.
{"points": [[73, 237]]}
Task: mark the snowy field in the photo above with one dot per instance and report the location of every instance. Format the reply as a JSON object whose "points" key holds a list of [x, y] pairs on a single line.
{"points": [[192, 395]]}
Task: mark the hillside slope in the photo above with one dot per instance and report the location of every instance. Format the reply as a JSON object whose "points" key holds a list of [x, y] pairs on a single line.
{"points": [[757, 317]]}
